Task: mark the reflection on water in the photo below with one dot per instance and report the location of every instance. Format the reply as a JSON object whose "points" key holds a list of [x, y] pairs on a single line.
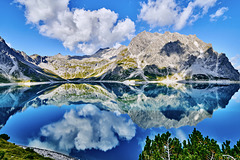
{"points": [[98, 122], [85, 128], [15, 98], [148, 105]]}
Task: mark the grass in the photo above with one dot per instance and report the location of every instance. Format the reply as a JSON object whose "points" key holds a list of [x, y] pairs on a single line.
{"points": [[127, 62], [124, 52], [10, 151], [35, 77], [85, 71]]}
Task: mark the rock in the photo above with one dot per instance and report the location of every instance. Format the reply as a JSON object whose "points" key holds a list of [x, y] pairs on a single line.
{"points": [[16, 66], [51, 154]]}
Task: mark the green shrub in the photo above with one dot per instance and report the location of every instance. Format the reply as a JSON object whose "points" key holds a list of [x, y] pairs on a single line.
{"points": [[5, 137], [2, 153], [196, 147], [29, 156], [29, 149]]}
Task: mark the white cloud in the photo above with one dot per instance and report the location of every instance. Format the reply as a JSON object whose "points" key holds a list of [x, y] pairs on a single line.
{"points": [[236, 61], [218, 13], [181, 135], [159, 13], [86, 128], [79, 29], [236, 97], [162, 13]]}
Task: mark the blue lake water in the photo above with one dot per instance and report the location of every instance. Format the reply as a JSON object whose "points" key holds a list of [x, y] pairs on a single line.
{"points": [[102, 121]]}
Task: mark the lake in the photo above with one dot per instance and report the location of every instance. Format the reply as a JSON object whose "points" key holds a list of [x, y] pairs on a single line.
{"points": [[110, 121]]}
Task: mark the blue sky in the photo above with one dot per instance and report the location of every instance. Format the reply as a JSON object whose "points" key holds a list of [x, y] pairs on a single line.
{"points": [[78, 27]]}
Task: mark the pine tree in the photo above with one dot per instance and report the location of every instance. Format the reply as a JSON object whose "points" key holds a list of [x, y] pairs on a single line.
{"points": [[194, 148]]}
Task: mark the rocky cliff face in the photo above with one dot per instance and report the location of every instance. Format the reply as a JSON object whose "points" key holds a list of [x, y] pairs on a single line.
{"points": [[16, 66], [176, 56], [149, 57]]}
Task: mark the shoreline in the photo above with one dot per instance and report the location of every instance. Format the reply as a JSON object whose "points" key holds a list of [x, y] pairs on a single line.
{"points": [[30, 83], [51, 154], [210, 82], [127, 82]]}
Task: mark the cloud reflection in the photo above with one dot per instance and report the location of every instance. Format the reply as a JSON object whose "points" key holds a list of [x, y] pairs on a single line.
{"points": [[236, 97], [84, 128]]}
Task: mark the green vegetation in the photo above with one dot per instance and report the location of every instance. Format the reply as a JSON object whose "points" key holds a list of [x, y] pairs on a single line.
{"points": [[100, 70], [154, 77], [127, 62], [52, 74], [155, 73], [196, 147], [35, 77], [87, 69], [9, 151], [124, 52], [5, 137], [86, 91]]}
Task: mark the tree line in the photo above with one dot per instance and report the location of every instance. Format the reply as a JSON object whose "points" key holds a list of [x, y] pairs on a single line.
{"points": [[196, 147]]}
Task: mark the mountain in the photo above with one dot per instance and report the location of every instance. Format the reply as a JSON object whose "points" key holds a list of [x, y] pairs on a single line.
{"points": [[16, 66], [149, 57]]}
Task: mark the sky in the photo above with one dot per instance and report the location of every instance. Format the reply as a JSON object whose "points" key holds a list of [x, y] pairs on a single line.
{"points": [[79, 27]]}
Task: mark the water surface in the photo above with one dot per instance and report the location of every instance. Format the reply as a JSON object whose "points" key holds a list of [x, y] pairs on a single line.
{"points": [[111, 121]]}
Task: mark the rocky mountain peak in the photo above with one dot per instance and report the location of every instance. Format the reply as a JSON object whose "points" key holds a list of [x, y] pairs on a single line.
{"points": [[3, 44], [155, 41], [148, 57], [60, 56], [179, 55], [1, 39]]}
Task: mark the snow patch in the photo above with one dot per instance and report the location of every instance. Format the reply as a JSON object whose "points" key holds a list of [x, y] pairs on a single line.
{"points": [[196, 44]]}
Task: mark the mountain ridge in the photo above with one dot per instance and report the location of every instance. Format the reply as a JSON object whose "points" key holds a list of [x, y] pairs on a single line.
{"points": [[148, 57], [16, 66]]}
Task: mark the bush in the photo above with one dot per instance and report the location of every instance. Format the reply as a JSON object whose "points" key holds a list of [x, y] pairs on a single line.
{"points": [[29, 156], [29, 149], [2, 153], [5, 137]]}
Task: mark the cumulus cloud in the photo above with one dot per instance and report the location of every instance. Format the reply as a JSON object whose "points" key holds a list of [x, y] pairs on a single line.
{"points": [[79, 29], [181, 135], [236, 61], [159, 13], [236, 97], [85, 128], [218, 13], [162, 13]]}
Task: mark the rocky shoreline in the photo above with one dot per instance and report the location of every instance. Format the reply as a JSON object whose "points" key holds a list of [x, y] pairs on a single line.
{"points": [[51, 154]]}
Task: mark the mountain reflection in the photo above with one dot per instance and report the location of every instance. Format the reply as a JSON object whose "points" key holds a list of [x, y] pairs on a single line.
{"points": [[148, 106], [15, 98], [84, 128]]}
